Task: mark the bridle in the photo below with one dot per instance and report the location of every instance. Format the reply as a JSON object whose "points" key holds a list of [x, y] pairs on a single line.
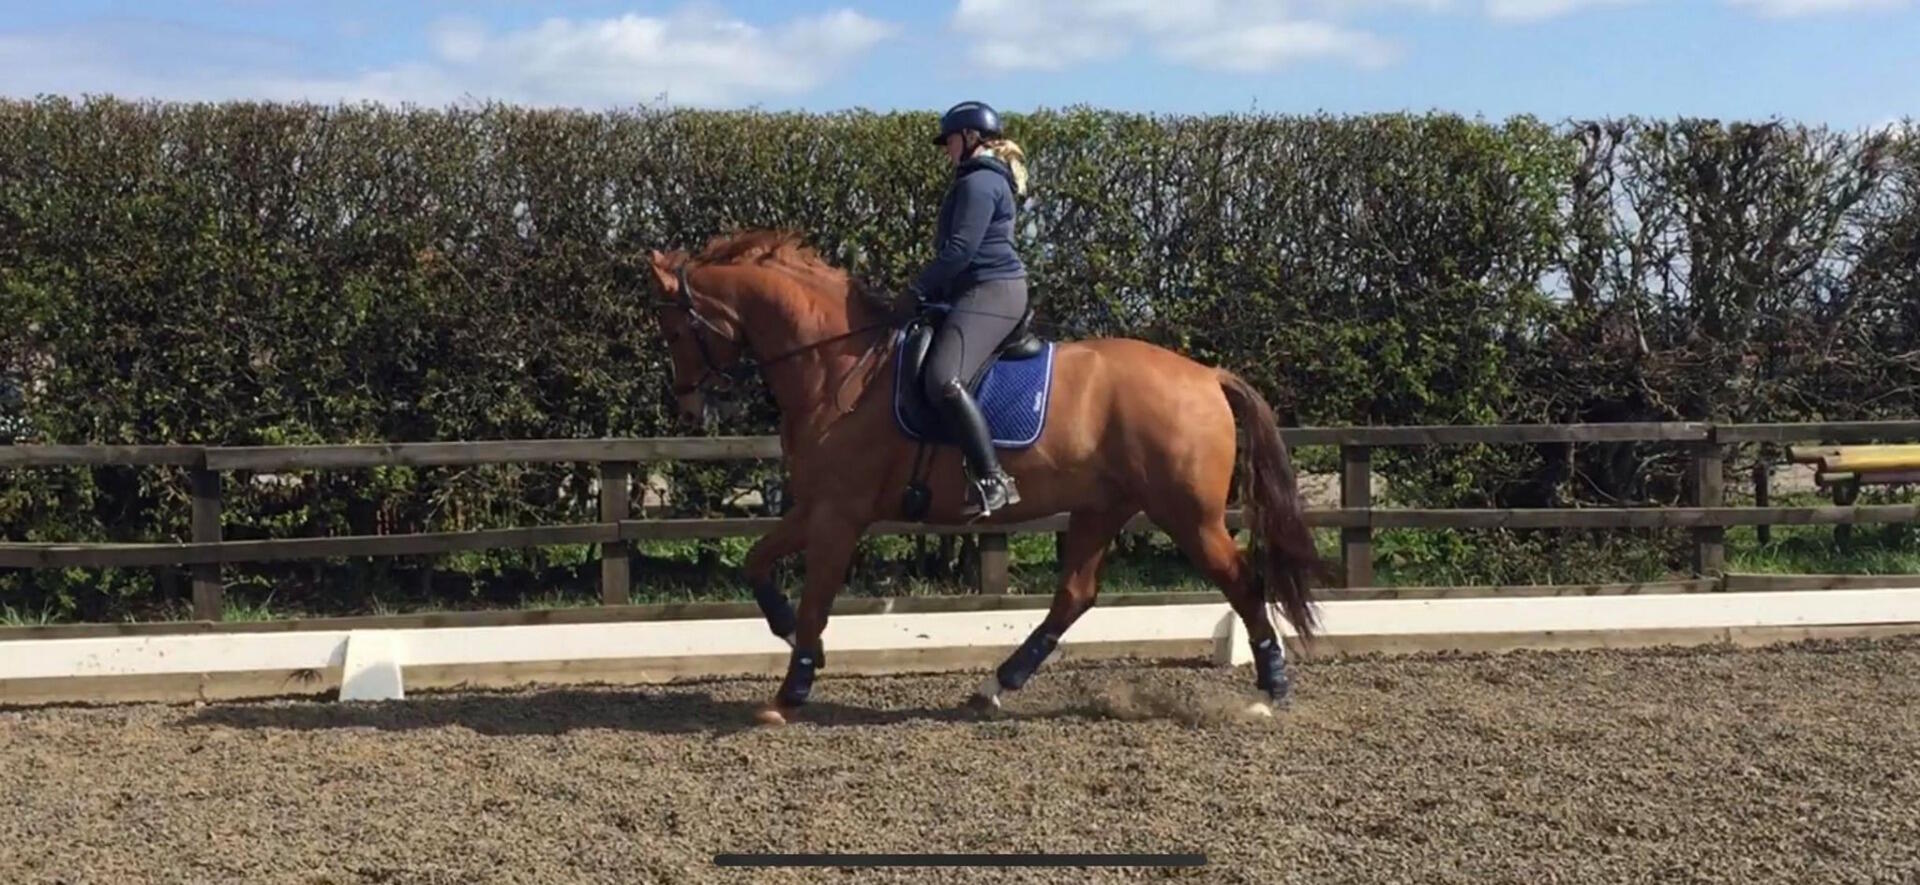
{"points": [[745, 367], [710, 368]]}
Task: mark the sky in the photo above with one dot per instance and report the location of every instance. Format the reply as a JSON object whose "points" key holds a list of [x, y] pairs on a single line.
{"points": [[1842, 63]]}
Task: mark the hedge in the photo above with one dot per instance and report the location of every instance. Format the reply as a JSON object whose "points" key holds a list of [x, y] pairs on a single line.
{"points": [[243, 274]]}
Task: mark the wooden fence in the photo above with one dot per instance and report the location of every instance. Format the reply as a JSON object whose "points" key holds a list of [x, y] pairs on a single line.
{"points": [[616, 459]]}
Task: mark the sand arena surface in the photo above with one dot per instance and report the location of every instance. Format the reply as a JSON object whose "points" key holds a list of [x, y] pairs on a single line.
{"points": [[1798, 764]]}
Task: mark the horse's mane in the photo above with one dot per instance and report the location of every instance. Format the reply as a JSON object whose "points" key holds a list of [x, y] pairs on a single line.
{"points": [[782, 247], [787, 250]]}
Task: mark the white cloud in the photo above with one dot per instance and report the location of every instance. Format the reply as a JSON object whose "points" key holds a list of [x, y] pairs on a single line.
{"points": [[1234, 35], [1896, 126], [1791, 8], [1540, 10], [1268, 46], [695, 56], [458, 40]]}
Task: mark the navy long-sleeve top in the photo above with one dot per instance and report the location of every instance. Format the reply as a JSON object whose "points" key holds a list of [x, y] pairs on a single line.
{"points": [[973, 239]]}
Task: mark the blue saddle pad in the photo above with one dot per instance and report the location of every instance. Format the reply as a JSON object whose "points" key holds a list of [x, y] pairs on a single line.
{"points": [[1013, 395]]}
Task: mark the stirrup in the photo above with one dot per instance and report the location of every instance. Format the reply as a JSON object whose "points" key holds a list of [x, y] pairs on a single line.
{"points": [[986, 501]]}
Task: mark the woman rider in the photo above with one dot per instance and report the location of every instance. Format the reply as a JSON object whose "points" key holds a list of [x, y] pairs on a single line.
{"points": [[977, 273]]}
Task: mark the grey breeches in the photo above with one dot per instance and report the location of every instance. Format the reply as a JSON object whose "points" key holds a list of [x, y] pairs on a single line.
{"points": [[981, 318]]}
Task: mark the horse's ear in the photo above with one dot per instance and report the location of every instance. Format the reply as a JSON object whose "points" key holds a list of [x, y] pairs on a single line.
{"points": [[663, 277]]}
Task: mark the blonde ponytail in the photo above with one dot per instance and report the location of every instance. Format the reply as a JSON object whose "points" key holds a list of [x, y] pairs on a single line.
{"points": [[1016, 160]]}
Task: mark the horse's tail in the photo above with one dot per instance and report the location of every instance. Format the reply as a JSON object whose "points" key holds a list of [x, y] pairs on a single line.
{"points": [[1282, 555]]}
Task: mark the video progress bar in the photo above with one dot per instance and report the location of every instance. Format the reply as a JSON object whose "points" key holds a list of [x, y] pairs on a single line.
{"points": [[960, 860]]}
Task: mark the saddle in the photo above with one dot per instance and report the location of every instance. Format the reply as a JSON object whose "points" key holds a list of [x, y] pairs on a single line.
{"points": [[1020, 344], [1013, 387]]}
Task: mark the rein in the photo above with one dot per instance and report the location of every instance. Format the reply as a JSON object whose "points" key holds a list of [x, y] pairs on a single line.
{"points": [[741, 370]]}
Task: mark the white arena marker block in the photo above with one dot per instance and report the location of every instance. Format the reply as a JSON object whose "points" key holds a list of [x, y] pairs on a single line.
{"points": [[1232, 646], [372, 671]]}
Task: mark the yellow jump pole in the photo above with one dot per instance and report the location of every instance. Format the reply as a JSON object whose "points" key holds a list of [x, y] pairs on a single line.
{"points": [[1884, 458]]}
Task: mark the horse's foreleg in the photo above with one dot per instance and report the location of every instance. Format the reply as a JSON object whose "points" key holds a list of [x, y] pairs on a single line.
{"points": [[1088, 535], [830, 542], [787, 537]]}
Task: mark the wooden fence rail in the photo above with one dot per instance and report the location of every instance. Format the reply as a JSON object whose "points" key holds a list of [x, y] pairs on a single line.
{"points": [[617, 461]]}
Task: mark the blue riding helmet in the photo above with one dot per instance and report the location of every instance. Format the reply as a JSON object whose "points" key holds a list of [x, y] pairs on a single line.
{"points": [[975, 115]]}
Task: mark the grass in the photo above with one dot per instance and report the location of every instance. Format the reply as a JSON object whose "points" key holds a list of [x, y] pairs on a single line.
{"points": [[1892, 549], [11, 616]]}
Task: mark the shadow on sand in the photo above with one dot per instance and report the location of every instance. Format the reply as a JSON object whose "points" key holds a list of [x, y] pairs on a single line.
{"points": [[559, 711], [652, 709], [562, 710]]}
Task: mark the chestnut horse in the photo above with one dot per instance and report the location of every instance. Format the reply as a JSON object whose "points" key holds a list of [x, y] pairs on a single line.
{"points": [[1128, 427]]}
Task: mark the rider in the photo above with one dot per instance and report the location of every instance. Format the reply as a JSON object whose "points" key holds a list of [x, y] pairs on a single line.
{"points": [[979, 276]]}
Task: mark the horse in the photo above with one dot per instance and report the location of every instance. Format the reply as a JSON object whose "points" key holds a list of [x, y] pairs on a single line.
{"points": [[1102, 429]]}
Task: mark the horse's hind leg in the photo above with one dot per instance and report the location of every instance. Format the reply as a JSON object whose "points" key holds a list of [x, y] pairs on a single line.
{"points": [[1088, 534], [1206, 541]]}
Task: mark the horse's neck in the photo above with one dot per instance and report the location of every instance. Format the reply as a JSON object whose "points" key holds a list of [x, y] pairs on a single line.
{"points": [[827, 366]]}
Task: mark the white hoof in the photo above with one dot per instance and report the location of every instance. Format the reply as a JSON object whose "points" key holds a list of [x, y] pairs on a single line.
{"points": [[1259, 710], [988, 694]]}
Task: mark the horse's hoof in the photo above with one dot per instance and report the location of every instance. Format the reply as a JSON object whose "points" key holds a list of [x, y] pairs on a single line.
{"points": [[771, 715], [1258, 710], [986, 698]]}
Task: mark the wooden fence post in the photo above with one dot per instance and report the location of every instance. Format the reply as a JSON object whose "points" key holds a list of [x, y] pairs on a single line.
{"points": [[1762, 494], [1356, 492], [1709, 542], [616, 491], [208, 592], [993, 565], [1845, 494]]}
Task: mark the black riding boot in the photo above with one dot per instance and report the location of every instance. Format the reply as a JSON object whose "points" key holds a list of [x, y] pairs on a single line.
{"points": [[993, 488]]}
